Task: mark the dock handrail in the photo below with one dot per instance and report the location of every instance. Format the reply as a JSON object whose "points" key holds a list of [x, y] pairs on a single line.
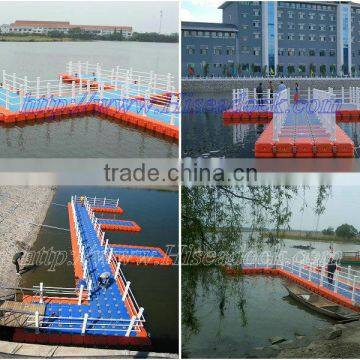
{"points": [[279, 116], [137, 317], [346, 280]]}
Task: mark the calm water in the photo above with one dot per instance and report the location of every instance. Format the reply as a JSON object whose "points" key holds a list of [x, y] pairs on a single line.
{"points": [[86, 136], [155, 288], [230, 316], [205, 134]]}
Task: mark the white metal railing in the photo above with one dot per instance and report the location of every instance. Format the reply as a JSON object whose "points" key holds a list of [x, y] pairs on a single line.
{"points": [[81, 246], [99, 201], [117, 76], [324, 102], [78, 324], [346, 280], [41, 293], [283, 100]]}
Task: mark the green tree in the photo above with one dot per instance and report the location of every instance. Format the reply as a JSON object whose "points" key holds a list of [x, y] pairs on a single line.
{"points": [[329, 231], [346, 231]]}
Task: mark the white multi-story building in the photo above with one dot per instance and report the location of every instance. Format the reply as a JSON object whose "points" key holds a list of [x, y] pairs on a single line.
{"points": [[44, 27]]}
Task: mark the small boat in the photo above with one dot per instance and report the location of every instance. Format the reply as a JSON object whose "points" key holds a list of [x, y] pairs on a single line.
{"points": [[320, 304], [304, 247], [350, 258]]}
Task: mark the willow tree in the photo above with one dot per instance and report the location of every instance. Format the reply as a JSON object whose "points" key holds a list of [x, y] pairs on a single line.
{"points": [[213, 220]]}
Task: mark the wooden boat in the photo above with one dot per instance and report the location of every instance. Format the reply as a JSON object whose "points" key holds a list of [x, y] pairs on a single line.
{"points": [[350, 258], [320, 304]]}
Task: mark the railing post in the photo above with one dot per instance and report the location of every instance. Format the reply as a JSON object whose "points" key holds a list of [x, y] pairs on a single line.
{"points": [[117, 271], [353, 290], [7, 99], [41, 300], [126, 290], [37, 87], [60, 85], [25, 85], [70, 67], [110, 255], [102, 238], [117, 203], [309, 93], [336, 284], [321, 277], [342, 95], [89, 285], [349, 270], [14, 82], [106, 245], [104, 201], [80, 294], [132, 322], [48, 90], [73, 89], [37, 322], [83, 328]]}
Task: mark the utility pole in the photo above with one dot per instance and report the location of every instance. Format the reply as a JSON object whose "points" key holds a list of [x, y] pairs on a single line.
{"points": [[161, 16]]}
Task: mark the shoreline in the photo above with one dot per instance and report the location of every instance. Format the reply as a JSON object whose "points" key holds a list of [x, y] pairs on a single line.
{"points": [[21, 208]]}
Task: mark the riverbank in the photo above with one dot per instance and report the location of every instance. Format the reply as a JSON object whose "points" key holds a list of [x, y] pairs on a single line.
{"points": [[337, 341], [22, 209]]}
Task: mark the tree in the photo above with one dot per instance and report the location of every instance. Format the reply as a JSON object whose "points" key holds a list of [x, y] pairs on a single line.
{"points": [[323, 70], [329, 231], [346, 231], [206, 69]]}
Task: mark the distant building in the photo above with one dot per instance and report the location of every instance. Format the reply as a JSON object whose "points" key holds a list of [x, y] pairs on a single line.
{"points": [[314, 38], [44, 27], [208, 48]]}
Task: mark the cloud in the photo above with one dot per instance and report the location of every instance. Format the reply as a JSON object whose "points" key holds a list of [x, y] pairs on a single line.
{"points": [[186, 15]]}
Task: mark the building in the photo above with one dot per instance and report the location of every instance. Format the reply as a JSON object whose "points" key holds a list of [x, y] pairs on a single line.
{"points": [[44, 27], [208, 48], [278, 38]]}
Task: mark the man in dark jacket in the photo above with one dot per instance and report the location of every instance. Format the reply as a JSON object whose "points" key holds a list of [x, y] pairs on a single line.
{"points": [[259, 94], [16, 259], [331, 268]]}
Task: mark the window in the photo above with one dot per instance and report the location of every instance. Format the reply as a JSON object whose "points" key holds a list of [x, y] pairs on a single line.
{"points": [[332, 52], [290, 14], [190, 49], [332, 28], [291, 37], [204, 49], [301, 26], [332, 17], [217, 50], [291, 26], [244, 27], [256, 12], [256, 24], [312, 52], [256, 35], [311, 16], [186, 33], [244, 49], [322, 16], [322, 53], [322, 27], [312, 37], [322, 38], [301, 37], [200, 33], [280, 36], [302, 52], [243, 15], [332, 38], [279, 25], [311, 27], [301, 15], [207, 33], [230, 50], [257, 51], [291, 52]]}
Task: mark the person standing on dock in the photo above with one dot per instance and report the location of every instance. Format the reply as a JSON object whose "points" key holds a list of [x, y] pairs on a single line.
{"points": [[15, 261], [281, 86], [259, 93], [331, 268], [296, 93]]}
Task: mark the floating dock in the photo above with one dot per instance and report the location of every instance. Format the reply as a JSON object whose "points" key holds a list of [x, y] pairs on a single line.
{"points": [[345, 289], [140, 99], [292, 133], [88, 314]]}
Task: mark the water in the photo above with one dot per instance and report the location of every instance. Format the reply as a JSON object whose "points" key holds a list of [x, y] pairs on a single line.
{"points": [[203, 130], [85, 136], [155, 288], [229, 316]]}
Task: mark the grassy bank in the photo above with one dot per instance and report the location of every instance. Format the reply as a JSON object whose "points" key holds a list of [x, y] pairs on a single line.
{"points": [[33, 38], [316, 236]]}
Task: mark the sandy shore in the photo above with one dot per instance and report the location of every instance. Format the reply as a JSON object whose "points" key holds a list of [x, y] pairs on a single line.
{"points": [[20, 208]]}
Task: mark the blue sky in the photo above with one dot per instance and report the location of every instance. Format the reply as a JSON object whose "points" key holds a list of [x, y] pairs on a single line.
{"points": [[203, 10]]}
